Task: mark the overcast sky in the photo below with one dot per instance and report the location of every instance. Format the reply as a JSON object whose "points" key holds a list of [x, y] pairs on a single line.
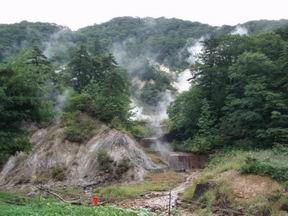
{"points": [[79, 13]]}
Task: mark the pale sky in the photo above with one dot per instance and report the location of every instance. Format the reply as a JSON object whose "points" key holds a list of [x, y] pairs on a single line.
{"points": [[80, 13]]}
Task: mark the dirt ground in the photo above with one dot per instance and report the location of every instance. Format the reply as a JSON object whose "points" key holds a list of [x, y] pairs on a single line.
{"points": [[158, 202], [245, 187]]}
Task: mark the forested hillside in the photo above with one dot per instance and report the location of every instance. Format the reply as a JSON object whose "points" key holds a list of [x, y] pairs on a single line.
{"points": [[137, 99], [25, 34], [130, 39]]}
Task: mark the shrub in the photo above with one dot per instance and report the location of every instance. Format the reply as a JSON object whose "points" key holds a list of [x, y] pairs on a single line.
{"points": [[278, 170], [140, 130], [80, 102], [79, 128], [202, 144], [58, 173], [136, 128]]}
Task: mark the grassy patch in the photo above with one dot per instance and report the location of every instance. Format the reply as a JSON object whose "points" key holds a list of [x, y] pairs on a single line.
{"points": [[273, 163], [59, 209], [154, 182], [14, 198], [51, 208]]}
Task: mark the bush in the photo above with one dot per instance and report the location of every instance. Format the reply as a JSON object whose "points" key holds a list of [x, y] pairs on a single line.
{"points": [[79, 127], [202, 144], [58, 173], [278, 170], [79, 102], [12, 142], [140, 130]]}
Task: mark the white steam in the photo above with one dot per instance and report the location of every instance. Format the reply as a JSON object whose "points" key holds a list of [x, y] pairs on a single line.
{"points": [[60, 103], [137, 112], [59, 43], [195, 50], [240, 30], [182, 81], [133, 64], [157, 117], [156, 121]]}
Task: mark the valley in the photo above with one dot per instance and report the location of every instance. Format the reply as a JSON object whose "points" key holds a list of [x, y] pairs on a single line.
{"points": [[144, 116]]}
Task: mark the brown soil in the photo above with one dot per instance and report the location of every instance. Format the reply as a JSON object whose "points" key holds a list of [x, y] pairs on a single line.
{"points": [[245, 187]]}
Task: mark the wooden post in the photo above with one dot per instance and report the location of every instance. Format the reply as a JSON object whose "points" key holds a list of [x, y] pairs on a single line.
{"points": [[169, 210]]}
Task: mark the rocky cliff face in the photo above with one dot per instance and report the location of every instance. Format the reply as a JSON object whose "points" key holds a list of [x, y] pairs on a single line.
{"points": [[110, 155]]}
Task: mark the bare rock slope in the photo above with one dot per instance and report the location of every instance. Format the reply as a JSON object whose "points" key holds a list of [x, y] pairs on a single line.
{"points": [[54, 159]]}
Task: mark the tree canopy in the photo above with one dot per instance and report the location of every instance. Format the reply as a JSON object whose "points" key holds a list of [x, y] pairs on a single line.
{"points": [[243, 79]]}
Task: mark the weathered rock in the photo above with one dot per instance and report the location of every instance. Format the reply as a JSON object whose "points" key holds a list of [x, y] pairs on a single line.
{"points": [[75, 163]]}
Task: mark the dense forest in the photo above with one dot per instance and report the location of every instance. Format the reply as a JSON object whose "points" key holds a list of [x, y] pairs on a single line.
{"points": [[239, 95], [30, 91], [130, 39]]}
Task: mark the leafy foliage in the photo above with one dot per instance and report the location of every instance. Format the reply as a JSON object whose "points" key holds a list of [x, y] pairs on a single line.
{"points": [[103, 87], [79, 127], [243, 79], [184, 113], [24, 98], [110, 98]]}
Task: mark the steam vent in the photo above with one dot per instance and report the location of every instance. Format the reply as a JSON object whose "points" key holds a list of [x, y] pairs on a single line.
{"points": [[186, 161]]}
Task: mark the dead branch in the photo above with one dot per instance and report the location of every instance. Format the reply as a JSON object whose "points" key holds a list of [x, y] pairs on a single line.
{"points": [[47, 190]]}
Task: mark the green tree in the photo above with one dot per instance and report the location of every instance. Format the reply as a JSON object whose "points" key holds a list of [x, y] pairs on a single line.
{"points": [[184, 113], [110, 98], [24, 98], [246, 105], [81, 69], [243, 80]]}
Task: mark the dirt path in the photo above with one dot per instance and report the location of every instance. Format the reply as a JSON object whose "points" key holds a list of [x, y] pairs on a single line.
{"points": [[158, 202]]}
